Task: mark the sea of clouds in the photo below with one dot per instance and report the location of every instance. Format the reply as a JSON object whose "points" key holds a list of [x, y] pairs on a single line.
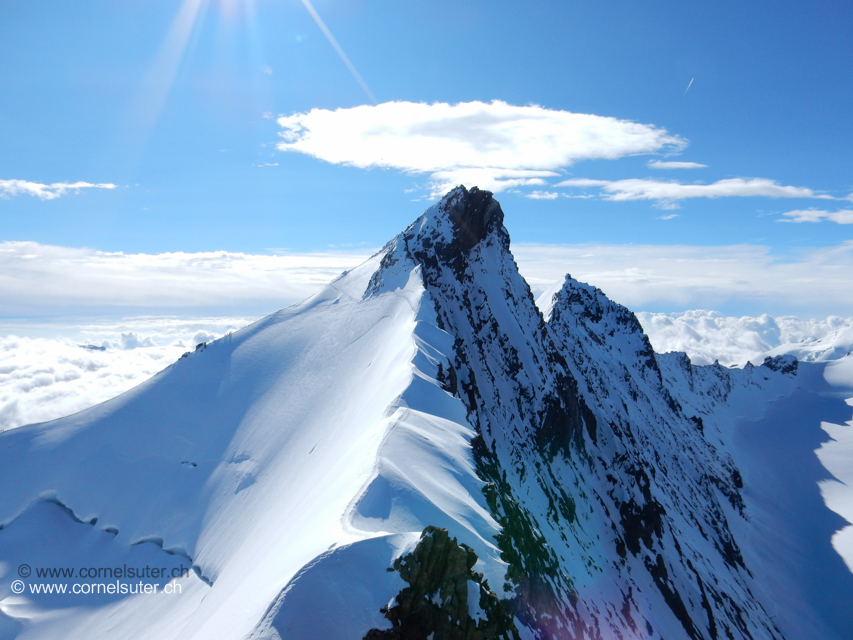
{"points": [[707, 336], [82, 325], [49, 369]]}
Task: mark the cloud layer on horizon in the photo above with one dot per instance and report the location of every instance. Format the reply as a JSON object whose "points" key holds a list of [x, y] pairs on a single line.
{"points": [[45, 280], [45, 373], [492, 145], [675, 277], [37, 279]]}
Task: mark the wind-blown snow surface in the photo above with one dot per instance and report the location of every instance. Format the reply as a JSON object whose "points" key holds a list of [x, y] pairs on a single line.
{"points": [[608, 492]]}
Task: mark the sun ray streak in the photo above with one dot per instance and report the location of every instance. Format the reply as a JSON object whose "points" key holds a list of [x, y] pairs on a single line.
{"points": [[158, 82], [340, 51], [262, 88], [147, 105]]}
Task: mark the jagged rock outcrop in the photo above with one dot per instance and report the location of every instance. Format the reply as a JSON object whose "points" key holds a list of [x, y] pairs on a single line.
{"points": [[445, 597], [592, 465]]}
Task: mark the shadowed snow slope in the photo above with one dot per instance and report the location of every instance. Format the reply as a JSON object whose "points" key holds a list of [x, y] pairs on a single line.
{"points": [[607, 492]]}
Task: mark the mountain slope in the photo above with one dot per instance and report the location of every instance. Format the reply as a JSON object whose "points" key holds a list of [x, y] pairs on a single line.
{"points": [[242, 456], [295, 464]]}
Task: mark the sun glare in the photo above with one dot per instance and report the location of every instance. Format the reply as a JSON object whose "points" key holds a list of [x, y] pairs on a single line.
{"points": [[185, 30], [157, 84]]}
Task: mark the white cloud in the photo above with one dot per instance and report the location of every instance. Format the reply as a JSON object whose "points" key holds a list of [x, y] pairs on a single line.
{"points": [[9, 188], [669, 192], [668, 216], [38, 279], [666, 205], [660, 164], [542, 195], [707, 336], [845, 216], [671, 277], [49, 370], [491, 145], [490, 179]]}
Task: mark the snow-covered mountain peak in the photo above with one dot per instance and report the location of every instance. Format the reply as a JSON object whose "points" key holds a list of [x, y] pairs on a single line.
{"points": [[412, 443], [584, 312], [460, 220], [447, 237]]}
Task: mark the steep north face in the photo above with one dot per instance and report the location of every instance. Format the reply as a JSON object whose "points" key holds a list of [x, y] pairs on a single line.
{"points": [[607, 493]]}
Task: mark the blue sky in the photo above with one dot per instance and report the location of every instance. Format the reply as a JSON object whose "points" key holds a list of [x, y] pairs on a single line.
{"points": [[180, 105]]}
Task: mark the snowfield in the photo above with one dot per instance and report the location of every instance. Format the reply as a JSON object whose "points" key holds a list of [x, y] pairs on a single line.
{"points": [[284, 476]]}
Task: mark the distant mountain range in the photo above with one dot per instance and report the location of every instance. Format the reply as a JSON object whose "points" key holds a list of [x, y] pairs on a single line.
{"points": [[423, 451]]}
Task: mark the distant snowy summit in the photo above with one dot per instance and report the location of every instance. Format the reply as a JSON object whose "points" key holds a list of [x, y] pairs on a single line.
{"points": [[419, 452]]}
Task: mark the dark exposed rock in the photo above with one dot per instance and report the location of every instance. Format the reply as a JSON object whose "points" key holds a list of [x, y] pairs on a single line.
{"points": [[447, 379], [672, 596], [700, 424], [641, 523], [783, 364], [435, 604], [474, 214], [561, 426]]}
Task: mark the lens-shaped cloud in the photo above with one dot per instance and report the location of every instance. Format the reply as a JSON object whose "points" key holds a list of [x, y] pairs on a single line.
{"points": [[492, 145]]}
